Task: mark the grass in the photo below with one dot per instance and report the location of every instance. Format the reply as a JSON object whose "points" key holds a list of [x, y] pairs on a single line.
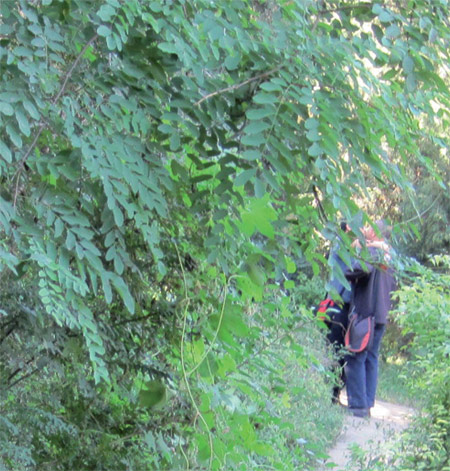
{"points": [[392, 382]]}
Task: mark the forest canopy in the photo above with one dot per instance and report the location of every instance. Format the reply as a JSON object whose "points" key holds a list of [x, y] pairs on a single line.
{"points": [[165, 164]]}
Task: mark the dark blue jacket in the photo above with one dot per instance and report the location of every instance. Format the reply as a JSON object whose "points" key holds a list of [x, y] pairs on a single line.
{"points": [[372, 286]]}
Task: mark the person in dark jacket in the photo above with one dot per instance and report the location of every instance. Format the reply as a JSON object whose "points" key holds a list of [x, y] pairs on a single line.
{"points": [[373, 283]]}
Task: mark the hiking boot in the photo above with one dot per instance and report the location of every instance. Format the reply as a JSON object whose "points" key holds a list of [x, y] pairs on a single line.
{"points": [[362, 413]]}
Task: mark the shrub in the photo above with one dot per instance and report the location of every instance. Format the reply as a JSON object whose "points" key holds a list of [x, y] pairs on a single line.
{"points": [[424, 314]]}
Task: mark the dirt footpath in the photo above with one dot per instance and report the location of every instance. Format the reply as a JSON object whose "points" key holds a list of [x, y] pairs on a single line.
{"points": [[386, 421]]}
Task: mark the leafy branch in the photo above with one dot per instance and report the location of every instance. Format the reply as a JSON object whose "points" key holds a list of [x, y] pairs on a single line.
{"points": [[44, 124]]}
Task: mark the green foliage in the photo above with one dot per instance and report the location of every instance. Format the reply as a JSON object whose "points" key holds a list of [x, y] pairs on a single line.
{"points": [[163, 166], [429, 208], [424, 309], [251, 390], [134, 130], [393, 384]]}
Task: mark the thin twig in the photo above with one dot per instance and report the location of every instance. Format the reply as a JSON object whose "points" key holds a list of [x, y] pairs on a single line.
{"points": [[334, 10], [134, 319], [322, 213], [183, 364], [419, 215], [75, 63], [236, 86], [23, 377], [10, 321], [346, 7], [18, 370], [10, 331]]}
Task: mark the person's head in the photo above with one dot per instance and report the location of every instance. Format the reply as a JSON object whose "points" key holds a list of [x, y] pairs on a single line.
{"points": [[344, 226], [383, 233], [384, 229]]}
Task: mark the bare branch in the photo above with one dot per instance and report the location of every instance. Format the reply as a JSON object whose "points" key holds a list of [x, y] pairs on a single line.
{"points": [[18, 370], [134, 319], [236, 86], [322, 212], [10, 331], [23, 377], [14, 373], [10, 321], [346, 7]]}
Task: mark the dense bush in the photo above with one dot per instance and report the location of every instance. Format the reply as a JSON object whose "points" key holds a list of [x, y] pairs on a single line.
{"points": [[260, 395], [424, 312]]}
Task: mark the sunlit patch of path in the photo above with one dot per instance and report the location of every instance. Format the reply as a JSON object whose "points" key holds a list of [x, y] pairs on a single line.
{"points": [[387, 420]]}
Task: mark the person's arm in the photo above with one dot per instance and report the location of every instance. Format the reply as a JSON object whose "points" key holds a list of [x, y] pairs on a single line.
{"points": [[359, 269]]}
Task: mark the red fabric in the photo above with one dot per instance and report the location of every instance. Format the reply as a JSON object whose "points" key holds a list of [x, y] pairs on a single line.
{"points": [[323, 307]]}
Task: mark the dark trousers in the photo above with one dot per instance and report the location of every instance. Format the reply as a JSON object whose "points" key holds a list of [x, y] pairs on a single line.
{"points": [[361, 371]]}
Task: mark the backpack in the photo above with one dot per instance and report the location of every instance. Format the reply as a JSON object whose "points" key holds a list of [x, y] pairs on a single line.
{"points": [[359, 334], [328, 304], [322, 309]]}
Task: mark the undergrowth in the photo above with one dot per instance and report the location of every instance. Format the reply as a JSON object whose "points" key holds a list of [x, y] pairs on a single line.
{"points": [[393, 382], [259, 400]]}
